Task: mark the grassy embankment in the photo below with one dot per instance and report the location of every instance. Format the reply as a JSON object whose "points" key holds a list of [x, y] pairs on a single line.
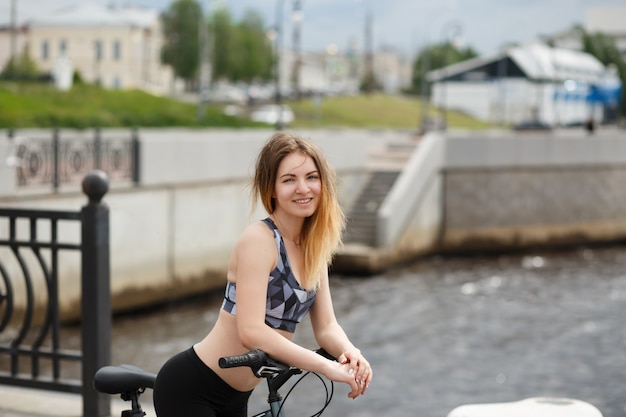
{"points": [[87, 106], [374, 111]]}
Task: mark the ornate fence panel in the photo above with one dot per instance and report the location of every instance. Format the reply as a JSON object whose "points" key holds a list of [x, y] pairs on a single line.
{"points": [[65, 159], [31, 352]]}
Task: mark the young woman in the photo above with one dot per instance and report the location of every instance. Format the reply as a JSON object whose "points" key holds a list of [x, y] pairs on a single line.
{"points": [[278, 271]]}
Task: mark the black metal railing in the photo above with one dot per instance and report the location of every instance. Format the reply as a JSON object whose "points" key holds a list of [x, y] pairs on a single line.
{"points": [[31, 244], [65, 159]]}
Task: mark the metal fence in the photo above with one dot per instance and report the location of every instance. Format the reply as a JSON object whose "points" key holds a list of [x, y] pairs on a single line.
{"points": [[66, 157], [31, 351]]}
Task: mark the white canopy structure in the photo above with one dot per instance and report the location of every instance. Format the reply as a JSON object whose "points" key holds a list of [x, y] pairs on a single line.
{"points": [[530, 82]]}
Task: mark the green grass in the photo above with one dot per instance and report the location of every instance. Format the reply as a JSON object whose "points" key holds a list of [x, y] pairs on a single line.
{"points": [[84, 106], [373, 111], [26, 105]]}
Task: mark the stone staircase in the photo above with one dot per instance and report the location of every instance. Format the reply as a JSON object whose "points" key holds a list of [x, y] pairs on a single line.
{"points": [[385, 164], [361, 224]]}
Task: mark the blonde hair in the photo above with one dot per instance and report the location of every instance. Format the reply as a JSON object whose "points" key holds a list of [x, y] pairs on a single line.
{"points": [[321, 232]]}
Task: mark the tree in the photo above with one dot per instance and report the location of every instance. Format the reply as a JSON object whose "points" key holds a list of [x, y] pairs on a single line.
{"points": [[242, 50], [434, 57], [604, 48], [254, 59], [21, 67], [180, 29], [224, 49]]}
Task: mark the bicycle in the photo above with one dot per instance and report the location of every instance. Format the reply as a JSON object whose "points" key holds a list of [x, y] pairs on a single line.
{"points": [[130, 381]]}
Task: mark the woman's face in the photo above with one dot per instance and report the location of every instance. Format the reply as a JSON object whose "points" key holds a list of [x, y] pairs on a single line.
{"points": [[298, 185]]}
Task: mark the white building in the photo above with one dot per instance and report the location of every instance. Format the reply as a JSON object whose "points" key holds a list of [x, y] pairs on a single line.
{"points": [[558, 86], [115, 47], [531, 82], [341, 72]]}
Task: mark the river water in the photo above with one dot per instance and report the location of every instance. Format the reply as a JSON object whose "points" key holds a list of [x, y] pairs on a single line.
{"points": [[448, 331]]}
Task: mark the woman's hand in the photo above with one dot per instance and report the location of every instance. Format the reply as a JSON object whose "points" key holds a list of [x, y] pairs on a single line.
{"points": [[359, 367], [339, 372]]}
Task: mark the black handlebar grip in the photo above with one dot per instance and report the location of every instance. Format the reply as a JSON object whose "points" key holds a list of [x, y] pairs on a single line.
{"points": [[252, 358], [325, 354]]}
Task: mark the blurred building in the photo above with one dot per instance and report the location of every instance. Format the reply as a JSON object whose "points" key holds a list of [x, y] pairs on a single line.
{"points": [[392, 70], [338, 72], [116, 47], [608, 20], [555, 85], [531, 82], [119, 47]]}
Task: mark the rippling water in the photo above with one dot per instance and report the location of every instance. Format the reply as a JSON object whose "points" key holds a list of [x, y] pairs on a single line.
{"points": [[444, 332]]}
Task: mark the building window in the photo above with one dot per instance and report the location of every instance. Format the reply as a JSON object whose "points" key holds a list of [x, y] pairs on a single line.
{"points": [[117, 83], [63, 48], [45, 52], [97, 48], [117, 50]]}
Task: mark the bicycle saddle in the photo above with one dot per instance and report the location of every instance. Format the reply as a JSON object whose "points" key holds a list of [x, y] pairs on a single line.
{"points": [[122, 378]]}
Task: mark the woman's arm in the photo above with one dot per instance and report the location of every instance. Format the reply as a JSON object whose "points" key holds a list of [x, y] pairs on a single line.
{"points": [[256, 256], [331, 336]]}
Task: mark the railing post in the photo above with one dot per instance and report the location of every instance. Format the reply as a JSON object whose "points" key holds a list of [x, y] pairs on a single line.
{"points": [[96, 295], [135, 155], [55, 160], [97, 149]]}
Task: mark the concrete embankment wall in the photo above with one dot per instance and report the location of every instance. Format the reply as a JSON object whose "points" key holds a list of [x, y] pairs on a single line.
{"points": [[498, 191], [547, 190], [172, 233]]}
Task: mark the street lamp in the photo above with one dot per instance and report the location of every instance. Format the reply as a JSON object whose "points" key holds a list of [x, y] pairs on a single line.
{"points": [[278, 99], [13, 57], [296, 19], [369, 79], [205, 51], [450, 33], [425, 67]]}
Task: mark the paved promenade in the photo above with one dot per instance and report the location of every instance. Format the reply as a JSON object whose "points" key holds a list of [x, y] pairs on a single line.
{"points": [[24, 402]]}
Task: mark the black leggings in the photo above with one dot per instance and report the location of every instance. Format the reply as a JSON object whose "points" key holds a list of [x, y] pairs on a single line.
{"points": [[185, 386]]}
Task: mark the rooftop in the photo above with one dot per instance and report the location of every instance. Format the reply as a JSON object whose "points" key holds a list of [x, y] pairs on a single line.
{"points": [[91, 14]]}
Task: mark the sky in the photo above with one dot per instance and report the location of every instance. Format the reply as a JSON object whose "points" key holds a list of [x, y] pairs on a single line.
{"points": [[405, 25]]}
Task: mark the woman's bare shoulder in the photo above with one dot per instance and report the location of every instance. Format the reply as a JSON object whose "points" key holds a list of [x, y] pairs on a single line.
{"points": [[256, 234], [257, 229], [255, 252]]}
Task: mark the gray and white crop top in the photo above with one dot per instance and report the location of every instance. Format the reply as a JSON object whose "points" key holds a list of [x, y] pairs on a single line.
{"points": [[287, 302]]}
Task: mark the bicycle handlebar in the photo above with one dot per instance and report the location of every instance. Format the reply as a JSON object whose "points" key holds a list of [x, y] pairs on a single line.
{"points": [[257, 360], [252, 358], [262, 365]]}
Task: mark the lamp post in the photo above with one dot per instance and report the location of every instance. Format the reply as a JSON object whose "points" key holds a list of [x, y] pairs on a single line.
{"points": [[368, 54], [551, 81], [425, 67], [204, 61], [13, 57], [278, 98], [296, 20], [502, 74], [450, 32]]}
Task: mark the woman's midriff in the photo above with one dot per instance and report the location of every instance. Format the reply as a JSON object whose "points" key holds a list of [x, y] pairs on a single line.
{"points": [[223, 340]]}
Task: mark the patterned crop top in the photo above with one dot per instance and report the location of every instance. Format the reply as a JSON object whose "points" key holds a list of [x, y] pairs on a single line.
{"points": [[287, 302]]}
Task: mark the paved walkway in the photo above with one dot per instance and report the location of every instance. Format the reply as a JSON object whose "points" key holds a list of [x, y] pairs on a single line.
{"points": [[24, 402]]}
